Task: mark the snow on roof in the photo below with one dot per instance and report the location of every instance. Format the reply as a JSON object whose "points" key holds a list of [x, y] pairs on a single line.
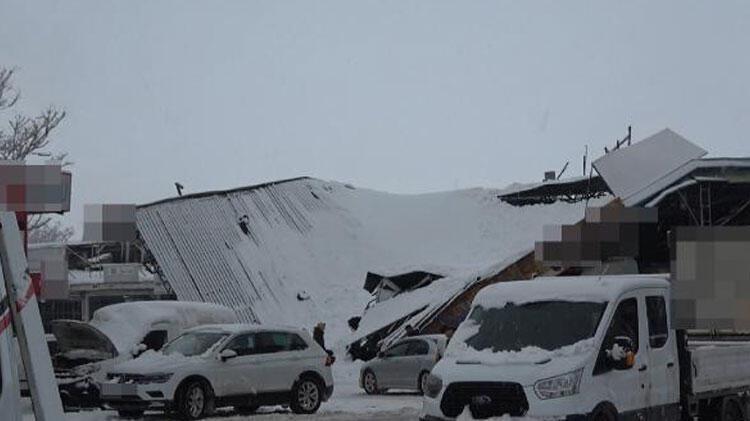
{"points": [[125, 324], [578, 288], [522, 187], [629, 170], [308, 237]]}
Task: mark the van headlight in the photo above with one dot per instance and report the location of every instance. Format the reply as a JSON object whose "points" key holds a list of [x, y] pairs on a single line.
{"points": [[559, 386], [433, 386]]}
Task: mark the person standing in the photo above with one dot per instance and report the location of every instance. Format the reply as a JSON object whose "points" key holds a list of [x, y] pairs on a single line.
{"points": [[319, 334]]}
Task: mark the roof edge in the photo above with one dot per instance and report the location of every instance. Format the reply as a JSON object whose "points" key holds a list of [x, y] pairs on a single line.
{"points": [[220, 192]]}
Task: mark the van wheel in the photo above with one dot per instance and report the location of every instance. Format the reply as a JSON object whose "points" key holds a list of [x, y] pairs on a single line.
{"points": [[370, 383], [731, 410], [604, 412], [422, 382], [307, 395], [129, 414], [195, 400], [246, 409]]}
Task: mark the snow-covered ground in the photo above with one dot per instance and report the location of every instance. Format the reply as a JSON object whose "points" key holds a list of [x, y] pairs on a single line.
{"points": [[349, 402]]}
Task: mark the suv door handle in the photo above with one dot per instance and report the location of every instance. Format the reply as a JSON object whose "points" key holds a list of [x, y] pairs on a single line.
{"points": [[643, 367], [670, 364]]}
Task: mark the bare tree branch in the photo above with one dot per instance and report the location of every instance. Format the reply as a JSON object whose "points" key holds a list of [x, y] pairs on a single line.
{"points": [[8, 95], [52, 231], [27, 136]]}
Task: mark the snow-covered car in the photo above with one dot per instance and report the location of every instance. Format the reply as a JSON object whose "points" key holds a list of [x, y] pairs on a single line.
{"points": [[117, 333], [585, 348], [240, 365], [404, 365]]}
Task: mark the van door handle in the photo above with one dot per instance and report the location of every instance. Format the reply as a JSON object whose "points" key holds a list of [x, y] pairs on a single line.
{"points": [[643, 367], [670, 364]]}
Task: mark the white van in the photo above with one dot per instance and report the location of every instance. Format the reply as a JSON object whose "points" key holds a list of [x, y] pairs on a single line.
{"points": [[585, 348], [119, 332]]}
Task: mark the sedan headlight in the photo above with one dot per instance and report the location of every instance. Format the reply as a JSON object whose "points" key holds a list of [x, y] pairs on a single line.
{"points": [[556, 387], [433, 386]]}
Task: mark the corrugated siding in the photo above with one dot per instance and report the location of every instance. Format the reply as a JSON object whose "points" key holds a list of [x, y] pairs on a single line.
{"points": [[212, 260]]}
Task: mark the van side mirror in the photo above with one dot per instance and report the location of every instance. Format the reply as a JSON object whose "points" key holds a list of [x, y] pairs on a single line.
{"points": [[621, 355], [227, 354]]}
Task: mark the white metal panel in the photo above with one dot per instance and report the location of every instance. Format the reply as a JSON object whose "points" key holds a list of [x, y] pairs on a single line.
{"points": [[717, 367], [631, 169]]}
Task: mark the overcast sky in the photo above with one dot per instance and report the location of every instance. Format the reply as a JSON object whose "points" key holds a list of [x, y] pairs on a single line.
{"points": [[402, 96]]}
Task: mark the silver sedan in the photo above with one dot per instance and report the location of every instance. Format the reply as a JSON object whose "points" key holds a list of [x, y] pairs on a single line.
{"points": [[404, 365]]}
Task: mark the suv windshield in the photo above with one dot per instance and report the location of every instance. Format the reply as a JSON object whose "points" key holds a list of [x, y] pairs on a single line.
{"points": [[548, 325], [193, 343]]}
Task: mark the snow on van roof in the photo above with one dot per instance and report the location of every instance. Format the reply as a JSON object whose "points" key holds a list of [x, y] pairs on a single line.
{"points": [[125, 324], [573, 288]]}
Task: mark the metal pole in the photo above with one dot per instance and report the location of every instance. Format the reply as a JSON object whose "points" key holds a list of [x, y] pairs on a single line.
{"points": [[10, 288]]}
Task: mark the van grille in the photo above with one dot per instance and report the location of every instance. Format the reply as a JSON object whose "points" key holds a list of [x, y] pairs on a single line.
{"points": [[485, 399]]}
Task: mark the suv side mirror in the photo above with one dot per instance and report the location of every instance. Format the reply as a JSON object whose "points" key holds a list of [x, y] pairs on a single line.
{"points": [[227, 354], [621, 355], [381, 354]]}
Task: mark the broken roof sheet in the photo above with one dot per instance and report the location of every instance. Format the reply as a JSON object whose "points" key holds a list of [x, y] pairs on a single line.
{"points": [[627, 171], [404, 281]]}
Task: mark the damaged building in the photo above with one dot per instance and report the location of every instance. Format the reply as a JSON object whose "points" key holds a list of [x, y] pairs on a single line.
{"points": [[652, 189]]}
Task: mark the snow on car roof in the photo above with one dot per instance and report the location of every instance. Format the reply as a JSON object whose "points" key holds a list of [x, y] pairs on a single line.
{"points": [[125, 324], [246, 327], [578, 288]]}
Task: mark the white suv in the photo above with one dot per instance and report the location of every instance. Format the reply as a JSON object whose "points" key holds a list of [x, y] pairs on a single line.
{"points": [[238, 365]]}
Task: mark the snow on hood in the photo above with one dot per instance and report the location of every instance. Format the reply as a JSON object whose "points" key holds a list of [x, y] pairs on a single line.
{"points": [[152, 361], [126, 324]]}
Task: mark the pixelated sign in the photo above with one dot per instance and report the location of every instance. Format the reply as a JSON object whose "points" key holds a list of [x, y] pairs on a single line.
{"points": [[109, 222], [711, 278], [607, 233], [51, 264], [34, 188]]}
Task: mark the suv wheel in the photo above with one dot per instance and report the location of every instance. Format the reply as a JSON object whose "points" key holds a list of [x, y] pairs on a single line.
{"points": [[604, 412], [307, 395], [195, 400], [370, 383]]}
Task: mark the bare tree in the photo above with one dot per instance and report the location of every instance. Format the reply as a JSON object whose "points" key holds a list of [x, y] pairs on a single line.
{"points": [[29, 136]]}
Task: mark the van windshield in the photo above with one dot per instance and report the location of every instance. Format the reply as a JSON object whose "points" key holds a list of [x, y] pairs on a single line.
{"points": [[548, 325], [193, 343]]}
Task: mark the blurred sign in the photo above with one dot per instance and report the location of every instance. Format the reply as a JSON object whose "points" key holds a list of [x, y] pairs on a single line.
{"points": [[52, 264], [34, 188], [121, 272], [109, 222], [711, 278]]}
